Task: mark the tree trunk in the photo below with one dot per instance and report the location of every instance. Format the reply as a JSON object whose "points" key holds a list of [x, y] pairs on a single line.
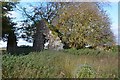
{"points": [[12, 42]]}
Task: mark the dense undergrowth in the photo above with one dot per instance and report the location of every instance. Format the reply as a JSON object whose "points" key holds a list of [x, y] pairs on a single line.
{"points": [[71, 63]]}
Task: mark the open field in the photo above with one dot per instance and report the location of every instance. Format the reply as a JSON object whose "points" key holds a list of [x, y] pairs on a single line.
{"points": [[84, 63]]}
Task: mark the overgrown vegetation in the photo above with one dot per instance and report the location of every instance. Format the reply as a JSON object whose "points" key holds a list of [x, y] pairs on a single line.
{"points": [[83, 63], [77, 25]]}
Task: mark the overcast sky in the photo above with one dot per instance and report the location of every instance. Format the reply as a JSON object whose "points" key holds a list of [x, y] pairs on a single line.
{"points": [[112, 11]]}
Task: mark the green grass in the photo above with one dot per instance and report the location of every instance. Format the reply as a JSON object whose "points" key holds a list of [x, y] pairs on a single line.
{"points": [[83, 63]]}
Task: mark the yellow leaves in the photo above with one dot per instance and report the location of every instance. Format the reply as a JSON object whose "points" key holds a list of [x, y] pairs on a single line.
{"points": [[83, 23]]}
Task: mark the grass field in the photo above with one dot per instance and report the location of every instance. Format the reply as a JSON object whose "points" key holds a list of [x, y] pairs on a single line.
{"points": [[83, 63]]}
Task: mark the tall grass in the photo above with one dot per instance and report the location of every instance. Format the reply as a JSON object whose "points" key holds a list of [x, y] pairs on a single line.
{"points": [[84, 63]]}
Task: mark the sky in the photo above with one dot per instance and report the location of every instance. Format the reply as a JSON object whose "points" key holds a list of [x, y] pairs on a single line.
{"points": [[113, 14], [112, 11]]}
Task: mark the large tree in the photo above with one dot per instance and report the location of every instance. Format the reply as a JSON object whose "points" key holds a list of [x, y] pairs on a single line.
{"points": [[8, 28], [81, 24]]}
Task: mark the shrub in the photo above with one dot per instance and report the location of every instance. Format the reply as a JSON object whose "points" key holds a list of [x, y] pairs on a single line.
{"points": [[85, 71]]}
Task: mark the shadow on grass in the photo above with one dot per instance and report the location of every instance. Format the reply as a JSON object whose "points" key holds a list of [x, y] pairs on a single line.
{"points": [[22, 50]]}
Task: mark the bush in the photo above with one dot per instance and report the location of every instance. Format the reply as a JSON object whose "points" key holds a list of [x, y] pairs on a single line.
{"points": [[92, 52], [85, 71], [23, 50]]}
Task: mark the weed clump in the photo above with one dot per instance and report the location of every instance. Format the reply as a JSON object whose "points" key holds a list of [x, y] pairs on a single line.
{"points": [[85, 71]]}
